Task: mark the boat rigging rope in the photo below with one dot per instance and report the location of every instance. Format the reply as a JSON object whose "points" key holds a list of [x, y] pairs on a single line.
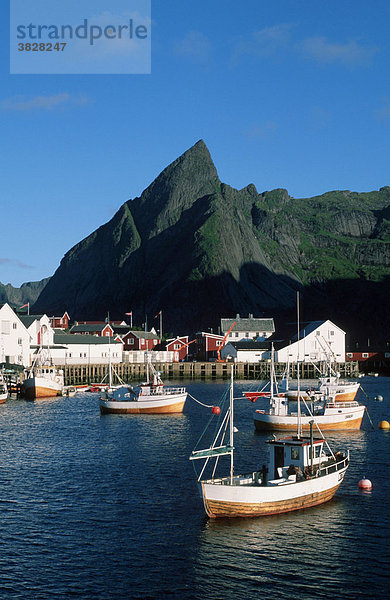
{"points": [[199, 402], [367, 396]]}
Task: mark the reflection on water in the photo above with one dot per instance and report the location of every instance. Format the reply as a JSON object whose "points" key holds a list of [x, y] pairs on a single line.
{"points": [[107, 508]]}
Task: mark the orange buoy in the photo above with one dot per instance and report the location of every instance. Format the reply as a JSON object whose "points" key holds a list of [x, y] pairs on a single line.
{"points": [[384, 425], [216, 410], [365, 484]]}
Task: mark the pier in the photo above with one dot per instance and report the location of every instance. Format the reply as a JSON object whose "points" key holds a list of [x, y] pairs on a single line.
{"points": [[131, 372]]}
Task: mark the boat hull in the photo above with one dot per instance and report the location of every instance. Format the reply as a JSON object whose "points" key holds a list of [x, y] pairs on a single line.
{"points": [[334, 419], [39, 387], [164, 405], [222, 501], [3, 398], [347, 395]]}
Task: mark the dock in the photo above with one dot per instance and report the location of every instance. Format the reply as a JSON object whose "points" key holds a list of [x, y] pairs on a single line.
{"points": [[131, 372]]}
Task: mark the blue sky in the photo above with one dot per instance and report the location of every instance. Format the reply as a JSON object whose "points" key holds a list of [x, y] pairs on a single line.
{"points": [[285, 94]]}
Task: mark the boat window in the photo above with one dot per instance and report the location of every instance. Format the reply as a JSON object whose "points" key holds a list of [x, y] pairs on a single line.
{"points": [[295, 453], [317, 451]]}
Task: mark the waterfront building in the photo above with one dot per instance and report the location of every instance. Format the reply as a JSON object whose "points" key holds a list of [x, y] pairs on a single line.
{"points": [[250, 328], [14, 338]]}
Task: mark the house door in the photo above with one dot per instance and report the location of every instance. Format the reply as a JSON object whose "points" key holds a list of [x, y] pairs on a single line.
{"points": [[279, 459]]}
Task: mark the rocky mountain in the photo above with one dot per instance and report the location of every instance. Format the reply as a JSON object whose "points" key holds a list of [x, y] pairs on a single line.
{"points": [[27, 292], [199, 249]]}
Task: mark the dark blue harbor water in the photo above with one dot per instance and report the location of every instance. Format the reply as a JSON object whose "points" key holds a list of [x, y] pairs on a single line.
{"points": [[106, 508]]}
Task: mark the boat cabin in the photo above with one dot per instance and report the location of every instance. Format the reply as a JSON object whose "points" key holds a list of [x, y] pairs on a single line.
{"points": [[293, 456]]}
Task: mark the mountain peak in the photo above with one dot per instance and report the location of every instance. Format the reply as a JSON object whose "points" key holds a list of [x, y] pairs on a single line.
{"points": [[191, 176]]}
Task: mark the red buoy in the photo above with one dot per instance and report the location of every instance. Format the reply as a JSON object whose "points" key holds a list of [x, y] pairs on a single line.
{"points": [[365, 484], [216, 410]]}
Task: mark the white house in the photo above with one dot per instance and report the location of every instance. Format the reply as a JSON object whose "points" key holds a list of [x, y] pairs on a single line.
{"points": [[249, 351], [14, 338], [39, 328], [77, 349], [247, 328], [318, 341]]}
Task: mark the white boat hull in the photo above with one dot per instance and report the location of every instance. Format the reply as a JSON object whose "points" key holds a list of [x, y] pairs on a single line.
{"points": [[242, 500], [333, 418], [162, 404], [40, 387]]}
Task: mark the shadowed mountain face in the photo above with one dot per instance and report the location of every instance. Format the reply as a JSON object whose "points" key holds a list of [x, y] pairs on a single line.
{"points": [[199, 249]]}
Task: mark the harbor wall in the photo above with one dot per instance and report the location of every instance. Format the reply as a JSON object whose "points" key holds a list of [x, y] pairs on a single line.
{"points": [[86, 374]]}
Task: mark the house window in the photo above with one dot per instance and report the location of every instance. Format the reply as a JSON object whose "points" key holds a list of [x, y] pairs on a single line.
{"points": [[247, 334], [318, 333], [387, 354], [20, 359], [142, 342], [365, 355], [230, 334], [176, 346], [14, 325], [218, 342], [331, 332], [349, 354], [131, 341], [5, 327], [236, 334], [20, 341]]}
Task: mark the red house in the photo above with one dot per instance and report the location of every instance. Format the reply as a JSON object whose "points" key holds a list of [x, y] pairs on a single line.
{"points": [[207, 345], [60, 322], [370, 359], [140, 340], [178, 345]]}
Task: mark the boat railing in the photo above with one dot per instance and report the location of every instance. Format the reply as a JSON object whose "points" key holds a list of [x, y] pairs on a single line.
{"points": [[333, 467], [168, 390], [350, 404]]}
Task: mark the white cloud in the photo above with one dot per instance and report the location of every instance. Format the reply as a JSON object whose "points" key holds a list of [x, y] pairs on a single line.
{"points": [[15, 263], [265, 42], [350, 53], [44, 102], [267, 129], [195, 45]]}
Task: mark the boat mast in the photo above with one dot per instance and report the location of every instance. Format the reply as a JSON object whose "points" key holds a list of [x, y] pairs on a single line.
{"points": [[298, 380], [231, 427], [272, 371]]}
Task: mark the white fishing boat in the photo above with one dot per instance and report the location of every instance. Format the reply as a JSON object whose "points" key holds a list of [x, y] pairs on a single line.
{"points": [[279, 413], [44, 380], [302, 472], [150, 397], [341, 391], [3, 389]]}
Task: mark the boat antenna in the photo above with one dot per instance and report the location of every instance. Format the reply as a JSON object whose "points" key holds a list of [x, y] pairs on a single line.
{"points": [[298, 381], [231, 425]]}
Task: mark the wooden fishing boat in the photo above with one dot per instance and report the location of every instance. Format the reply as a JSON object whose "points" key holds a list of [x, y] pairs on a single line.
{"points": [[44, 380], [279, 414], [302, 472], [151, 397]]}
